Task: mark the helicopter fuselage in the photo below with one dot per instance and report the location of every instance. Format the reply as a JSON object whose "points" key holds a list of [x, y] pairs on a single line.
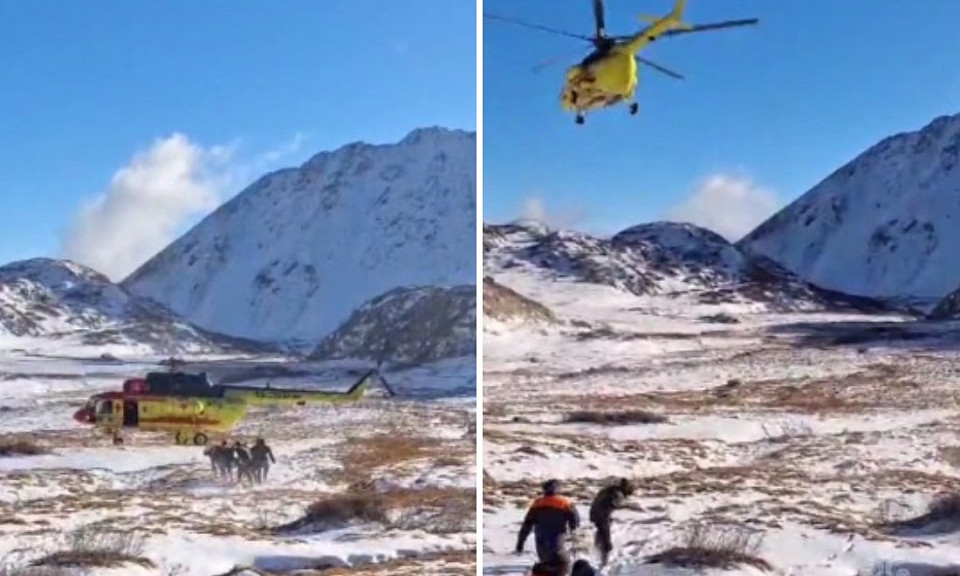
{"points": [[602, 79]]}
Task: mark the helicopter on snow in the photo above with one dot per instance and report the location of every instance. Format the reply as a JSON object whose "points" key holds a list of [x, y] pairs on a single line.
{"points": [[193, 408], [608, 75]]}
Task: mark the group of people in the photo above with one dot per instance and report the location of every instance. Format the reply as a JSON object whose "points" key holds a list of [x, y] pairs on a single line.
{"points": [[237, 464], [553, 518]]}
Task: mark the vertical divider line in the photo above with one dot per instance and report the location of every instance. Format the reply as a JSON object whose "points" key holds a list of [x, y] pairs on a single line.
{"points": [[479, 304]]}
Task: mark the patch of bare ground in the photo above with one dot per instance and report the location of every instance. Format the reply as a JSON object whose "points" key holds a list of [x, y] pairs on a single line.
{"points": [[434, 510], [950, 455], [606, 370], [610, 418], [363, 455], [20, 445], [712, 546], [504, 303], [877, 388], [610, 333]]}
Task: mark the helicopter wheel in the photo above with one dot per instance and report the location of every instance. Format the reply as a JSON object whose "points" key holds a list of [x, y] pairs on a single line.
{"points": [[634, 108], [200, 439]]}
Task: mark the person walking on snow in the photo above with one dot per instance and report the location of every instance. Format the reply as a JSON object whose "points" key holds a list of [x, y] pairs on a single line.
{"points": [[551, 518], [607, 500], [258, 456], [243, 462]]}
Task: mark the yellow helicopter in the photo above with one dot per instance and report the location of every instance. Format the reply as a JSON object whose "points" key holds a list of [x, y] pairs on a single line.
{"points": [[193, 408], [608, 75]]}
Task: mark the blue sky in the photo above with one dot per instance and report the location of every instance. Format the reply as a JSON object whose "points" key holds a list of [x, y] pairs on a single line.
{"points": [[765, 113], [85, 86]]}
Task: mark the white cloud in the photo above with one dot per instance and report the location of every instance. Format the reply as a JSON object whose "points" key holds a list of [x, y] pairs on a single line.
{"points": [[534, 208], [150, 199], [146, 201], [729, 205]]}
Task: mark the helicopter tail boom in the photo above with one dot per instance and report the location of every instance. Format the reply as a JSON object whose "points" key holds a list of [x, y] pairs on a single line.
{"points": [[659, 25], [281, 396]]}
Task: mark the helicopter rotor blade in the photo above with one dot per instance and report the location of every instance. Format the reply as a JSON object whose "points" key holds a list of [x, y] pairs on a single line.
{"points": [[599, 18], [538, 27], [713, 26], [554, 61], [660, 68]]}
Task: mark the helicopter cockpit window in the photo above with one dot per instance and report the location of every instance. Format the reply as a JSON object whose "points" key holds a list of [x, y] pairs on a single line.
{"points": [[104, 407]]}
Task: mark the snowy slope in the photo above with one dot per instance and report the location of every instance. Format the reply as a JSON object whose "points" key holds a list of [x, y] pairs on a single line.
{"points": [[416, 460], [820, 435], [662, 258], [296, 252], [64, 301], [885, 225]]}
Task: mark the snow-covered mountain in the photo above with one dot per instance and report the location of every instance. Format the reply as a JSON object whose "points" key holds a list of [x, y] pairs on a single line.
{"points": [[660, 258], [885, 225], [410, 325], [57, 299], [295, 253]]}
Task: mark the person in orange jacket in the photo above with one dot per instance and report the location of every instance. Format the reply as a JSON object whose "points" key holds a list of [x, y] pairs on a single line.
{"points": [[551, 518]]}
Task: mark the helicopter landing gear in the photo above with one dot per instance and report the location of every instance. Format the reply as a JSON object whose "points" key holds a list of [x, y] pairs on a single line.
{"points": [[183, 438], [634, 108]]}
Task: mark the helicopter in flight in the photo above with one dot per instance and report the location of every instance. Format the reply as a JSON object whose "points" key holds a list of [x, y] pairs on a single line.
{"points": [[193, 408], [608, 75]]}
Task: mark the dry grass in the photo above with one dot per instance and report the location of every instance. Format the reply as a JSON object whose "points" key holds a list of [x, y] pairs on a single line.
{"points": [[434, 510], [339, 510], [876, 387], [92, 547], [714, 546], [623, 418], [364, 454], [20, 445]]}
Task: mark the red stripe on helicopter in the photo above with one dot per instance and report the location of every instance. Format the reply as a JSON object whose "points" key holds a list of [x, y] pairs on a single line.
{"points": [[183, 420]]}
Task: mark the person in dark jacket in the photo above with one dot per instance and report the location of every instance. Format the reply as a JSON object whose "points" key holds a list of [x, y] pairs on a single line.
{"points": [[580, 568], [551, 517], [226, 460], [258, 460], [213, 453], [607, 500], [243, 462]]}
